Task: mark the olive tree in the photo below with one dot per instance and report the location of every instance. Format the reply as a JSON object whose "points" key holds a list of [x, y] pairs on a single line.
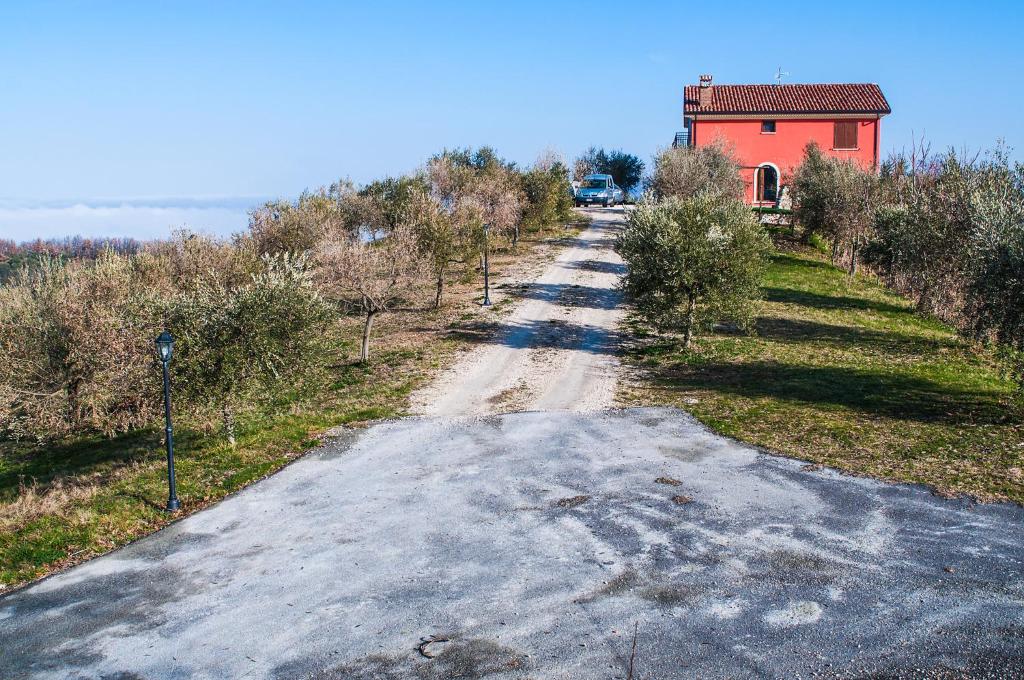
{"points": [[445, 238], [837, 199], [497, 196], [995, 265], [548, 199], [482, 187], [235, 343], [370, 276], [692, 262], [684, 172], [387, 202]]}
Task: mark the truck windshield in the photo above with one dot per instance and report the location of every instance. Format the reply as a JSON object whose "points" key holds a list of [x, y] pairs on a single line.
{"points": [[595, 184]]}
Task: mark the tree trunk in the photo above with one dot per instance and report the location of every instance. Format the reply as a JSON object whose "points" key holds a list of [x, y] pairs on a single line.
{"points": [[364, 352], [440, 290], [73, 391], [228, 417], [515, 236], [853, 259], [688, 330]]}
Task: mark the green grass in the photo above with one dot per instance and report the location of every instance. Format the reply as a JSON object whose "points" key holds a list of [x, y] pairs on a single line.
{"points": [[843, 372]]}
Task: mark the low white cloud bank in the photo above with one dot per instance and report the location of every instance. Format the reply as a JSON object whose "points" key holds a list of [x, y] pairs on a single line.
{"points": [[136, 218]]}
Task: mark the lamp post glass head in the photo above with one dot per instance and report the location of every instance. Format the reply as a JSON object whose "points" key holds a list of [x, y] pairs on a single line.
{"points": [[165, 345]]}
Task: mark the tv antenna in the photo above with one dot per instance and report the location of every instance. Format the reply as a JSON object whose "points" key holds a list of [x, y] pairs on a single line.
{"points": [[779, 75]]}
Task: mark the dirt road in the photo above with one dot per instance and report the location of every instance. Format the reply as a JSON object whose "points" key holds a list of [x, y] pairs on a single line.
{"points": [[555, 351]]}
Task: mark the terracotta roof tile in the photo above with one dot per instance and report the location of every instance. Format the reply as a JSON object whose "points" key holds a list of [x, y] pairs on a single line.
{"points": [[757, 99]]}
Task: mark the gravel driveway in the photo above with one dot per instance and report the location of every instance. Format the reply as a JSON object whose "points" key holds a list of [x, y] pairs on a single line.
{"points": [[555, 351], [530, 545]]}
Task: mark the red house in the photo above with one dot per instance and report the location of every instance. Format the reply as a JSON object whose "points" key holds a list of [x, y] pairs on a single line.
{"points": [[768, 126]]}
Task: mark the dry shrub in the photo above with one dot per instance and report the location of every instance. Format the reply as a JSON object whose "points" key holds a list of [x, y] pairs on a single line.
{"points": [[685, 172], [76, 348], [76, 339], [371, 276], [189, 260]]}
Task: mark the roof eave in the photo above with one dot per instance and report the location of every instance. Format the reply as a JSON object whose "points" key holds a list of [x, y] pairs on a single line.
{"points": [[704, 112]]}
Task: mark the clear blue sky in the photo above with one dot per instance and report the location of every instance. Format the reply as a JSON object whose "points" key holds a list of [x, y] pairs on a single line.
{"points": [[220, 103]]}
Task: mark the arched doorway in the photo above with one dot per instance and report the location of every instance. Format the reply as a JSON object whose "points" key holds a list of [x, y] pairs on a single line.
{"points": [[766, 183]]}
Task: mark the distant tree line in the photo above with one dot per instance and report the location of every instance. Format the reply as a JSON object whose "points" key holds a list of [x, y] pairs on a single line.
{"points": [[14, 256]]}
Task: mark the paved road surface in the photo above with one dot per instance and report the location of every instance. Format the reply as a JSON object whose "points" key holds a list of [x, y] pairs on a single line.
{"points": [[535, 542], [556, 350]]}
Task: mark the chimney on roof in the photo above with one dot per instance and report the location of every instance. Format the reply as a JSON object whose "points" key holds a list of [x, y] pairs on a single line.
{"points": [[705, 91]]}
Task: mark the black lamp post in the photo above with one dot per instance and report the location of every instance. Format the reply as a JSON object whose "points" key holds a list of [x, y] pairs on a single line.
{"points": [[165, 347], [487, 273]]}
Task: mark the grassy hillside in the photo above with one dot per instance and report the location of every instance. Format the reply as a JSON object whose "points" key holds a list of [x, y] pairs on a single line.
{"points": [[843, 372]]}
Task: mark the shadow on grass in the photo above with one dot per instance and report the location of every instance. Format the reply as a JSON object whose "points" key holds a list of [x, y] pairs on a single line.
{"points": [[28, 463], [821, 272], [795, 331], [829, 302], [870, 392]]}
